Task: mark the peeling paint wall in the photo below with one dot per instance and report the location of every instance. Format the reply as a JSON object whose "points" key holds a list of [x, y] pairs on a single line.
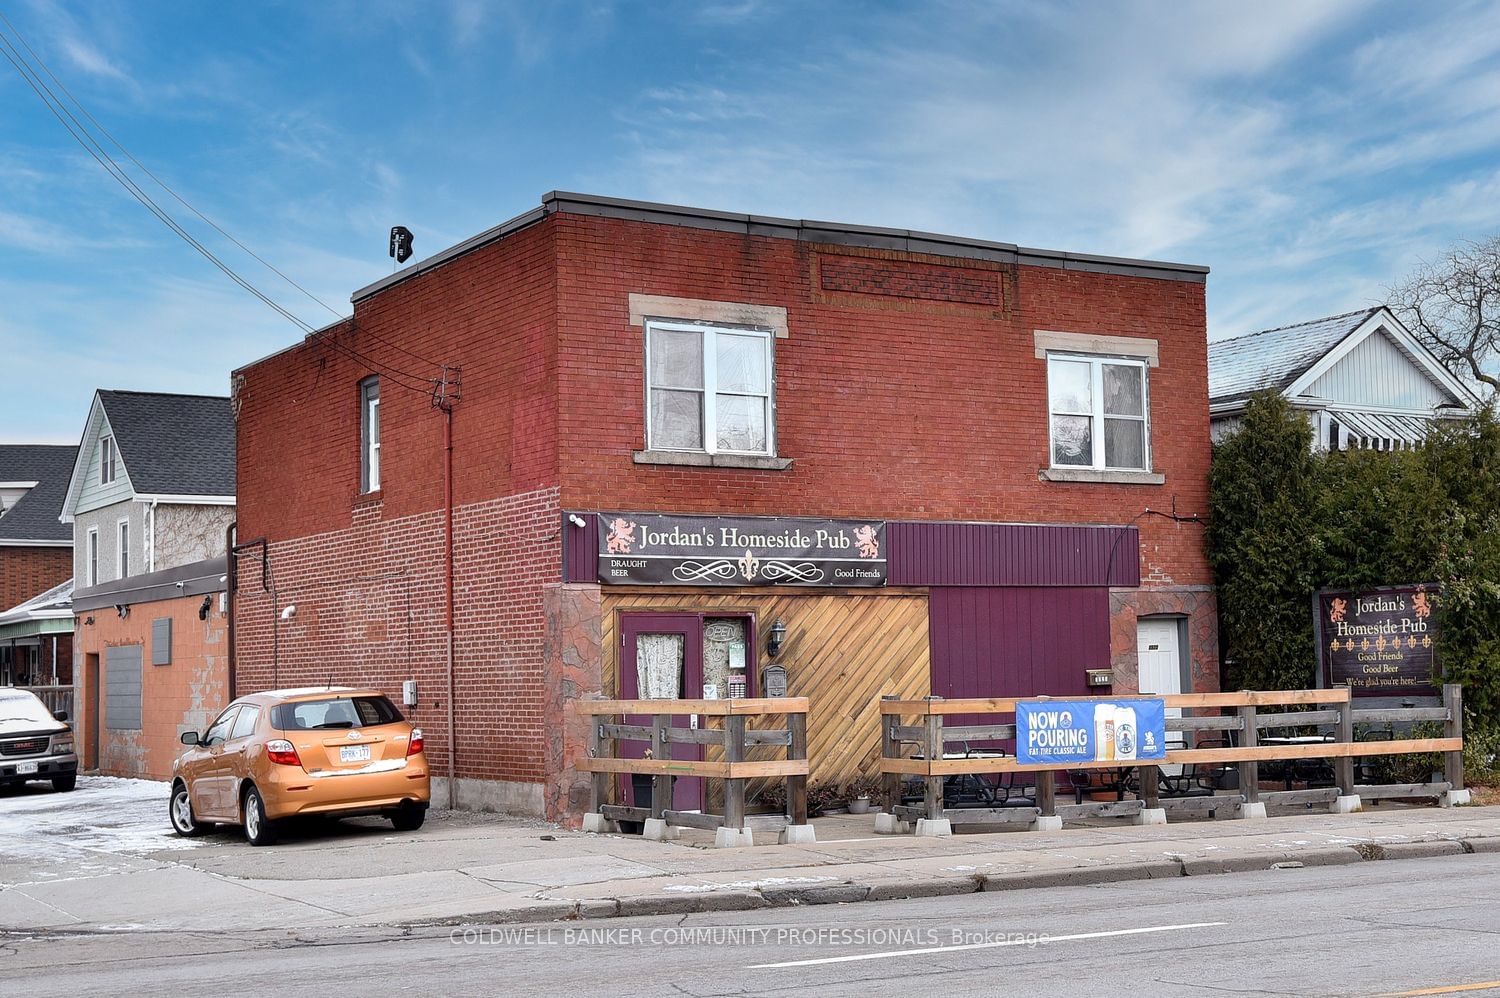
{"points": [[185, 695], [185, 534]]}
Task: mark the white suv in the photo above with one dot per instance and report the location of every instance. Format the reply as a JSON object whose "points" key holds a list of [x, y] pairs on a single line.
{"points": [[35, 744]]}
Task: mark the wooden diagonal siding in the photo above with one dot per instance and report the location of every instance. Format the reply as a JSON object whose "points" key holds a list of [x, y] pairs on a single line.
{"points": [[842, 652]]}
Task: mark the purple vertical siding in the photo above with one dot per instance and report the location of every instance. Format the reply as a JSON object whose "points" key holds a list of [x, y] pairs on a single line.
{"points": [[1002, 641], [581, 549], [1012, 554]]}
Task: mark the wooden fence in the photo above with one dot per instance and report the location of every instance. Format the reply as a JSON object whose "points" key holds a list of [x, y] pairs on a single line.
{"points": [[935, 763], [734, 738], [57, 698]]}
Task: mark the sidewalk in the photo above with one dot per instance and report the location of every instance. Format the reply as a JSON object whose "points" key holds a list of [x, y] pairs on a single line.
{"points": [[103, 859]]}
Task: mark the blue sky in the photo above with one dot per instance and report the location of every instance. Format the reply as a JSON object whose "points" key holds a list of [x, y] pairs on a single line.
{"points": [[1311, 153]]}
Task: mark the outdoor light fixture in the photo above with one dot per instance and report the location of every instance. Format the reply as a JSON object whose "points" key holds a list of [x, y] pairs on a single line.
{"points": [[89, 620], [577, 520], [208, 601], [289, 612], [122, 610], [778, 635]]}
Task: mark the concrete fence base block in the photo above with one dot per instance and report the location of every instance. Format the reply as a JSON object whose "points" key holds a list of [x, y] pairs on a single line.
{"points": [[1150, 816], [1346, 804], [1253, 810], [1048, 823], [733, 838], [657, 830], [936, 828], [598, 823], [1454, 798], [889, 824], [793, 835]]}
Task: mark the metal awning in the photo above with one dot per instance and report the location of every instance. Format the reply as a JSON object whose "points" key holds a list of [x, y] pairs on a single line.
{"points": [[1381, 430]]}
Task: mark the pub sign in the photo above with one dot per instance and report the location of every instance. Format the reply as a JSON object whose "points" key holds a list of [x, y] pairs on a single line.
{"points": [[1378, 641], [658, 549]]}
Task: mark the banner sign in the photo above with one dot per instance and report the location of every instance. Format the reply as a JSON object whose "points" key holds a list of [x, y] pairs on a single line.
{"points": [[654, 549], [1068, 732], [1378, 641]]}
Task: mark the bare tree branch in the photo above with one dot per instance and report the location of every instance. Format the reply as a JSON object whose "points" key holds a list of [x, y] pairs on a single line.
{"points": [[1453, 306]]}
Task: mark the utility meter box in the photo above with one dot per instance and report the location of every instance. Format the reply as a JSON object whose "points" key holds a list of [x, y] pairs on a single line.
{"points": [[409, 693]]}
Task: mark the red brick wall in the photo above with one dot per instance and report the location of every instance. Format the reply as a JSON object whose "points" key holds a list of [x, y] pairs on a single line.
{"points": [[914, 408], [26, 572]]}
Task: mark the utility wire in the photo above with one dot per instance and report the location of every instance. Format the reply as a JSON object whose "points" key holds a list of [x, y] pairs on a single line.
{"points": [[91, 145]]}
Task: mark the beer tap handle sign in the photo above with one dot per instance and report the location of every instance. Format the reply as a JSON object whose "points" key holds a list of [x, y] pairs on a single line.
{"points": [[1078, 731]]}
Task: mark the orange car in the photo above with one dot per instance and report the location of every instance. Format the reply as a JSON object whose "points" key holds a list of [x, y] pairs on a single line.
{"points": [[328, 751]]}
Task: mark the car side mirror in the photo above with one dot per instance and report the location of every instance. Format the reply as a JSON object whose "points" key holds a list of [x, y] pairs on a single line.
{"points": [[189, 738], [60, 715]]}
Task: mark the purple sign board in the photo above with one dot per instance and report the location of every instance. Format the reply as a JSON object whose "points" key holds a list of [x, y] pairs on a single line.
{"points": [[657, 549], [1378, 641]]}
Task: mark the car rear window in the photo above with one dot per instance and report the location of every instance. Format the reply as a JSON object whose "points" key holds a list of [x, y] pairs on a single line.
{"points": [[335, 712]]}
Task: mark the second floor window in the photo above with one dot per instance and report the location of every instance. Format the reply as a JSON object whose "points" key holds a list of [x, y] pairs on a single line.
{"points": [[124, 548], [708, 388], [369, 434], [106, 460], [93, 553], [1099, 413]]}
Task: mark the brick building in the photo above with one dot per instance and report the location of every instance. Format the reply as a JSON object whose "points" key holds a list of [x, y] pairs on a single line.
{"points": [[985, 461], [36, 557]]}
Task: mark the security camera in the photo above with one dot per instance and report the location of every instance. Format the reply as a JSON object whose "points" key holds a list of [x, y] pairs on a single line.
{"points": [[180, 585], [577, 520], [289, 612]]}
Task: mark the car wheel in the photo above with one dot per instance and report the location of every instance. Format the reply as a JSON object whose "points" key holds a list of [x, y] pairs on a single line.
{"points": [[180, 810], [62, 784], [408, 819], [259, 830]]}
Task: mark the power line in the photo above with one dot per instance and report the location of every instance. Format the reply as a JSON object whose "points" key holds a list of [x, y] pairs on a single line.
{"points": [[94, 148]]}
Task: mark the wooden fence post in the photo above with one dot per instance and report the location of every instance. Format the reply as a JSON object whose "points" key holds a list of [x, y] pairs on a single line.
{"points": [[1453, 762], [1150, 786], [933, 752], [1249, 768], [890, 748], [1046, 793], [599, 748], [661, 783], [734, 788], [1343, 766], [796, 786]]}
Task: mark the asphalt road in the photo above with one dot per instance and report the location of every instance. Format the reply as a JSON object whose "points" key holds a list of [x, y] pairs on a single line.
{"points": [[1402, 926]]}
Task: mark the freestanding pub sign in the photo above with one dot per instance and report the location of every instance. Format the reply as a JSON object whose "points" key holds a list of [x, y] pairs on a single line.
{"points": [[656, 549], [1380, 642]]}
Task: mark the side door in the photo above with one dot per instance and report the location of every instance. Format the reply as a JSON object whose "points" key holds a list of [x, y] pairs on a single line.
{"points": [[1160, 670], [661, 658], [207, 784]]}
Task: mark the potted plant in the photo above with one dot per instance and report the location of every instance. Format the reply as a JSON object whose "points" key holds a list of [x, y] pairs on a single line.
{"points": [[858, 792]]}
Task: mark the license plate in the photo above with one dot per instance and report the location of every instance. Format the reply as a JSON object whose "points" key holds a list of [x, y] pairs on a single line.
{"points": [[25, 768], [354, 753]]}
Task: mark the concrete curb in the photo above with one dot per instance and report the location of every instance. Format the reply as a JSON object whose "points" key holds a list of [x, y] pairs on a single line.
{"points": [[1084, 876]]}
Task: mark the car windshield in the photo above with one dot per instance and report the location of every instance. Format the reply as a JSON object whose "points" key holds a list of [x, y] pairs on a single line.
{"points": [[24, 707], [338, 712]]}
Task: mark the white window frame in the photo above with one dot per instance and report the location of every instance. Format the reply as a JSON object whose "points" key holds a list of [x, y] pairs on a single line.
{"points": [[92, 553], [711, 384], [122, 538], [369, 434], [106, 460], [1096, 364]]}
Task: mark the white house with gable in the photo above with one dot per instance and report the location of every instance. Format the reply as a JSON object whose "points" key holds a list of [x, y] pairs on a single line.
{"points": [[1362, 378]]}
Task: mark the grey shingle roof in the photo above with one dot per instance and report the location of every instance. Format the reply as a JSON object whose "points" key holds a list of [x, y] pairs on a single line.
{"points": [[174, 444], [1274, 358], [35, 516]]}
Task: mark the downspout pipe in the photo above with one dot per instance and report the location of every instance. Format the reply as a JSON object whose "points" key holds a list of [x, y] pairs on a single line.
{"points": [[229, 576], [448, 592]]}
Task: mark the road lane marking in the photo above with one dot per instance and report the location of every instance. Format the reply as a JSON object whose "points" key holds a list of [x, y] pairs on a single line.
{"points": [[994, 945], [1450, 989]]}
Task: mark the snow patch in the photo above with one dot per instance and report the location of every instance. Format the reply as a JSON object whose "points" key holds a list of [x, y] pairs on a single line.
{"points": [[103, 815], [746, 885]]}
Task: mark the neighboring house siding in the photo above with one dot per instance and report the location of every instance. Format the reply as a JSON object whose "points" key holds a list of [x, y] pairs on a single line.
{"points": [[107, 519], [185, 534], [1378, 373], [93, 495], [29, 571]]}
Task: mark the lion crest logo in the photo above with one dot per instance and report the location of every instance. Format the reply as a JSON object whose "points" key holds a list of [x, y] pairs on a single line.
{"points": [[621, 536], [866, 541]]}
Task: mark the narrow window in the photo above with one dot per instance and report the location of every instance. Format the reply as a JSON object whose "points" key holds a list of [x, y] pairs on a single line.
{"points": [[106, 460], [93, 553], [1099, 413], [709, 389], [124, 548], [369, 434]]}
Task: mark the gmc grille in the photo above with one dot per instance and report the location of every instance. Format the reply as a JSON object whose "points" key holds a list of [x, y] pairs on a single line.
{"points": [[29, 746]]}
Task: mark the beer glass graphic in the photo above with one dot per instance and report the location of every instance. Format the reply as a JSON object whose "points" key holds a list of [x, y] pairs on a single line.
{"points": [[1125, 732], [1104, 731]]}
